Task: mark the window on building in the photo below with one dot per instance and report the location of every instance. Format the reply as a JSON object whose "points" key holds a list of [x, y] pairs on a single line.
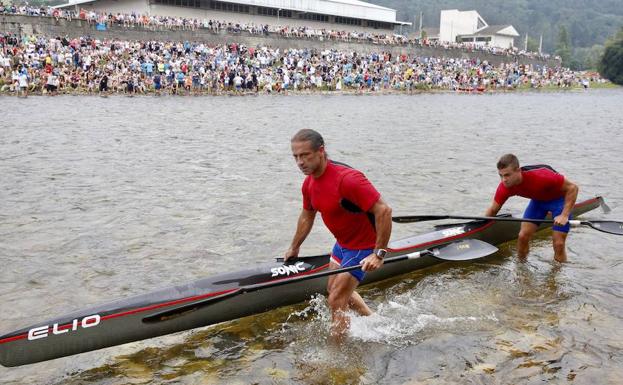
{"points": [[223, 6], [274, 12], [347, 20], [313, 16], [378, 24], [266, 11], [179, 3]]}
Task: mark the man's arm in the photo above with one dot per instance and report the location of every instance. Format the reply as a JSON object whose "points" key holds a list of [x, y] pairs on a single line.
{"points": [[493, 209], [303, 227], [383, 222], [571, 194]]}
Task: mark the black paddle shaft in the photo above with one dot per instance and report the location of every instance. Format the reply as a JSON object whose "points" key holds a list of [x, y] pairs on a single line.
{"points": [[456, 251], [606, 226]]}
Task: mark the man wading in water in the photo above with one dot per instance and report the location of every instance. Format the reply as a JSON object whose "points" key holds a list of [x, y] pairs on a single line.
{"points": [[354, 212], [548, 191]]}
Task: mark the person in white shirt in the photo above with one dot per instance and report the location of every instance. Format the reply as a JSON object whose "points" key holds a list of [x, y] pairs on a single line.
{"points": [[238, 82], [23, 84], [15, 80], [50, 85]]}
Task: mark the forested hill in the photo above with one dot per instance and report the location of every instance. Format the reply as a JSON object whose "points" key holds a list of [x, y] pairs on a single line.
{"points": [[587, 22]]}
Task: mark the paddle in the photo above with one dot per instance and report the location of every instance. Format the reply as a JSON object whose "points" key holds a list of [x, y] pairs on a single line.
{"points": [[610, 227], [456, 251], [604, 207]]}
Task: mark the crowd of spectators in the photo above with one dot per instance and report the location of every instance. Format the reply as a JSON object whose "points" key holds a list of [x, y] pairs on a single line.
{"points": [[86, 65], [153, 22]]}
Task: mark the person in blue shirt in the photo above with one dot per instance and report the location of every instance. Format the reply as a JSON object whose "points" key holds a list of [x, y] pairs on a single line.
{"points": [[149, 68], [179, 77], [157, 83]]}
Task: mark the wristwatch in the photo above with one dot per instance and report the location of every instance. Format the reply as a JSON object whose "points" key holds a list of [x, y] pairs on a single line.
{"points": [[380, 253]]}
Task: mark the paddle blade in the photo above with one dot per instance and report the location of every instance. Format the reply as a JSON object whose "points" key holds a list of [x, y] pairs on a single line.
{"points": [[604, 207], [418, 218], [464, 250], [610, 227]]}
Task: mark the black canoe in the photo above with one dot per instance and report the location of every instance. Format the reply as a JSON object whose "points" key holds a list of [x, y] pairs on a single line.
{"points": [[129, 320]]}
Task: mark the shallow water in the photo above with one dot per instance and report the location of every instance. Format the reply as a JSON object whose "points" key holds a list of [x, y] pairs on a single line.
{"points": [[106, 198]]}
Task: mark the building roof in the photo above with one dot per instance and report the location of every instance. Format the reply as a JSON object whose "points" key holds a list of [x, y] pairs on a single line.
{"points": [[346, 8], [506, 29], [360, 4]]}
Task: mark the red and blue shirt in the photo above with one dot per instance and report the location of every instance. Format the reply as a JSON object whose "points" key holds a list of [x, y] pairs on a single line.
{"points": [[540, 182], [332, 194]]}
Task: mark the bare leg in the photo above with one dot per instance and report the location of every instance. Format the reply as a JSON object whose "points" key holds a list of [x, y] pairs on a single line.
{"points": [[342, 288], [355, 302], [523, 241], [560, 250]]}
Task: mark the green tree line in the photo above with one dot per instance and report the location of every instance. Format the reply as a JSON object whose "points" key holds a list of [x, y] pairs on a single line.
{"points": [[611, 63], [584, 25]]}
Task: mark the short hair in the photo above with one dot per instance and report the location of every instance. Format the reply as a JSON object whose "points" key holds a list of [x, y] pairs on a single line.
{"points": [[508, 160], [309, 135]]}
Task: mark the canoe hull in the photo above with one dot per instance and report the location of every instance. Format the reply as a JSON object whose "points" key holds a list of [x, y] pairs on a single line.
{"points": [[122, 321]]}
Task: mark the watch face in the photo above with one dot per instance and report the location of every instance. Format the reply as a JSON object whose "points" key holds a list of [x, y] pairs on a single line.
{"points": [[381, 253]]}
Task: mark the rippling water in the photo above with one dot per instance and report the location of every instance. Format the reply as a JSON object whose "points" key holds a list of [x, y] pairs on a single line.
{"points": [[106, 198]]}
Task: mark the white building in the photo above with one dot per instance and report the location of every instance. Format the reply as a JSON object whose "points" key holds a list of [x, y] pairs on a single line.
{"points": [[329, 14], [469, 26], [502, 36]]}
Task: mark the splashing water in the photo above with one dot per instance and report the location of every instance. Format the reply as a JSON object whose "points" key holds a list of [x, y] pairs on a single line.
{"points": [[408, 318], [402, 319]]}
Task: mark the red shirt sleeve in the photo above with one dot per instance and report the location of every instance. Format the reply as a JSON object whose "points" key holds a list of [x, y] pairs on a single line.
{"points": [[501, 194], [358, 189], [307, 204]]}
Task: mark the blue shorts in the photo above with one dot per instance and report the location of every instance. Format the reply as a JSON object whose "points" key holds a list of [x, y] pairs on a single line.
{"points": [[346, 257], [539, 209]]}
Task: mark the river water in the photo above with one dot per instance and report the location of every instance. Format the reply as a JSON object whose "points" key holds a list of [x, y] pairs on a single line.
{"points": [[106, 198]]}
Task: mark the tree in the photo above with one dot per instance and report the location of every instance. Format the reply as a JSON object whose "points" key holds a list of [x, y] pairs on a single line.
{"points": [[588, 22], [533, 44], [611, 65], [563, 46], [588, 58]]}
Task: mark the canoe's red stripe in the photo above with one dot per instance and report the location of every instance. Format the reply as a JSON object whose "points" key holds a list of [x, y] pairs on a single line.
{"points": [[442, 240], [581, 204], [189, 299], [157, 306], [19, 337]]}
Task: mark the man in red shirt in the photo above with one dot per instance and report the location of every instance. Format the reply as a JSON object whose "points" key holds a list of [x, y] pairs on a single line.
{"points": [[354, 212], [548, 191]]}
